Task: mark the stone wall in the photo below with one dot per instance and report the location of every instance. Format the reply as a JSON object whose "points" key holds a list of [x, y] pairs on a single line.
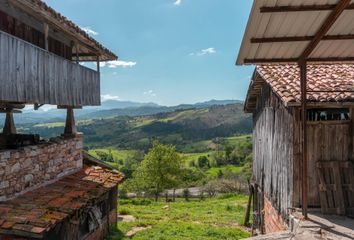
{"points": [[273, 221], [29, 167]]}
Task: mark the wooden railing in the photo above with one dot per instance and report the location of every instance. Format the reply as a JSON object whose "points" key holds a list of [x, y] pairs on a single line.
{"points": [[29, 74]]}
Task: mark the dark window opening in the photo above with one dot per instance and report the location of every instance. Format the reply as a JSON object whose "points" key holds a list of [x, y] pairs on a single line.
{"points": [[84, 227], [103, 207], [328, 114]]}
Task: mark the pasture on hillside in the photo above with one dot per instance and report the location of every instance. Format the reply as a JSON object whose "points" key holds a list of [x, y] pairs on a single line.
{"points": [[209, 219]]}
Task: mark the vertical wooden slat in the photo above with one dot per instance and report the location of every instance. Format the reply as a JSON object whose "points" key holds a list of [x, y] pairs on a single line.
{"points": [[32, 75]]}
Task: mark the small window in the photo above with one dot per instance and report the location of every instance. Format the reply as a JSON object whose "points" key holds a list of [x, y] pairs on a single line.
{"points": [[328, 114]]}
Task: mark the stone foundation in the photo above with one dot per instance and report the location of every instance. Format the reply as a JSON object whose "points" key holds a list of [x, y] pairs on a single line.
{"points": [[29, 167], [273, 221]]}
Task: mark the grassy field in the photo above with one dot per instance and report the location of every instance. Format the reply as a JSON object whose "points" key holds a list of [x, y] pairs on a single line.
{"points": [[211, 219], [214, 171], [117, 154]]}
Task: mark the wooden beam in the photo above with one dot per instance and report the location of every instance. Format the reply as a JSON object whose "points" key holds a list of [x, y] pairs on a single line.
{"points": [[328, 23], [46, 34], [301, 38], [294, 60], [303, 8], [303, 80], [9, 126], [98, 63], [70, 126]]}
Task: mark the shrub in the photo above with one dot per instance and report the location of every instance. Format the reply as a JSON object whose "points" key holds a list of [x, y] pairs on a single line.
{"points": [[186, 194]]}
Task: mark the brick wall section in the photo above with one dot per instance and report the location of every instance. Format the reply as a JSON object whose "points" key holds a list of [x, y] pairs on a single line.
{"points": [[29, 167], [273, 221]]}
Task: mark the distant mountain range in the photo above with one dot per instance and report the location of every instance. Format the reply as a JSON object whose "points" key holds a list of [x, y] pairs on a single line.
{"points": [[111, 108]]}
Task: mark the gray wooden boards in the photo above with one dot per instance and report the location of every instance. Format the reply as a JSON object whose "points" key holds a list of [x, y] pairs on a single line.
{"points": [[29, 74]]}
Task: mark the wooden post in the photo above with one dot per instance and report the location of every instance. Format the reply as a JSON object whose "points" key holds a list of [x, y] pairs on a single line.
{"points": [[9, 127], [70, 127], [46, 33], [303, 80], [248, 210], [98, 64]]}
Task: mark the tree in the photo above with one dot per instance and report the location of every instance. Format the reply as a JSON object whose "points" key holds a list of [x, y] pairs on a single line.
{"points": [[161, 169], [228, 150], [203, 162]]}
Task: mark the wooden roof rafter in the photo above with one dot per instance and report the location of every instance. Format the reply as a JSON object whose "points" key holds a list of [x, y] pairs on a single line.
{"points": [[41, 11], [301, 38], [328, 23], [302, 8]]}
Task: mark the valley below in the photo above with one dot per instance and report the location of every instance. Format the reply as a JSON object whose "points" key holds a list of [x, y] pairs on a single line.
{"points": [[210, 141]]}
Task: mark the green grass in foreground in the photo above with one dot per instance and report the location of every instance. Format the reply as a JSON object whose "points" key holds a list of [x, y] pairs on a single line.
{"points": [[212, 219]]}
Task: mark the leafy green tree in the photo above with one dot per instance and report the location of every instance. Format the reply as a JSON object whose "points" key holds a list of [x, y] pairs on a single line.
{"points": [[161, 169], [228, 150], [203, 162]]}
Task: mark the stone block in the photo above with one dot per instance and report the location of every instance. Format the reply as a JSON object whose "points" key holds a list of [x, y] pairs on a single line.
{"points": [[15, 168], [4, 184]]}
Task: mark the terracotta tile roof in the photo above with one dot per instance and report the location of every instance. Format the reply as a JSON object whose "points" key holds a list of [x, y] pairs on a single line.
{"points": [[325, 83], [36, 212], [69, 25]]}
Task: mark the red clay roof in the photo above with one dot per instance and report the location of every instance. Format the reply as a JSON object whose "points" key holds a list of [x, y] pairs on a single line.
{"points": [[36, 212], [325, 83]]}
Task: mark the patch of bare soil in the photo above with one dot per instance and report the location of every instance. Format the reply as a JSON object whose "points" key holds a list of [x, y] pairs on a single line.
{"points": [[135, 230], [126, 218]]}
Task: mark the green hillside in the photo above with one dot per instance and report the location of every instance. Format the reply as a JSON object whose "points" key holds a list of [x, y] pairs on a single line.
{"points": [[190, 130]]}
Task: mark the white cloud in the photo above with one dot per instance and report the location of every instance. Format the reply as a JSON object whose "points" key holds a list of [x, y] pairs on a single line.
{"points": [[106, 97], [89, 31], [177, 2], [204, 52], [118, 63], [150, 93]]}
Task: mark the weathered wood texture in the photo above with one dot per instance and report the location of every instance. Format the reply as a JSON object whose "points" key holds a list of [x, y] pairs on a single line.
{"points": [[30, 74], [327, 141], [24, 31], [273, 150]]}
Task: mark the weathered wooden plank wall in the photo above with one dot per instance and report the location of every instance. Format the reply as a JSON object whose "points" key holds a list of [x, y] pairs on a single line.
{"points": [[327, 141], [30, 74], [273, 149]]}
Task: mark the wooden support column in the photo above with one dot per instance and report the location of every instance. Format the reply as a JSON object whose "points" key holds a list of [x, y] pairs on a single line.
{"points": [[98, 64], [70, 127], [46, 34], [9, 126], [303, 80]]}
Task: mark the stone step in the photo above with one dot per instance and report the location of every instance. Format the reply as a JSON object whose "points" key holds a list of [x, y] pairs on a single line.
{"points": [[285, 235]]}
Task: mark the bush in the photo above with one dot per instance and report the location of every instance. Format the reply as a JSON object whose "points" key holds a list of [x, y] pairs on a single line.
{"points": [[186, 194], [203, 162]]}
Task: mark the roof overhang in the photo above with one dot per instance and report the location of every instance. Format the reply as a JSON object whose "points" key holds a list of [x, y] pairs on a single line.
{"points": [[315, 31], [88, 48]]}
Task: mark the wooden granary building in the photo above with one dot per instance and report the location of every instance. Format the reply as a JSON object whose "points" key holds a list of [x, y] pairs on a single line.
{"points": [[50, 189], [274, 100]]}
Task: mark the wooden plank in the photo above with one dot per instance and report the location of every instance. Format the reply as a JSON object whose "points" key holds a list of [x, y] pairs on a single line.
{"points": [[339, 197], [322, 190]]}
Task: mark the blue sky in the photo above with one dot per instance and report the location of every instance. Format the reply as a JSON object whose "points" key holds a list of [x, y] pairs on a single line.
{"points": [[170, 51]]}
